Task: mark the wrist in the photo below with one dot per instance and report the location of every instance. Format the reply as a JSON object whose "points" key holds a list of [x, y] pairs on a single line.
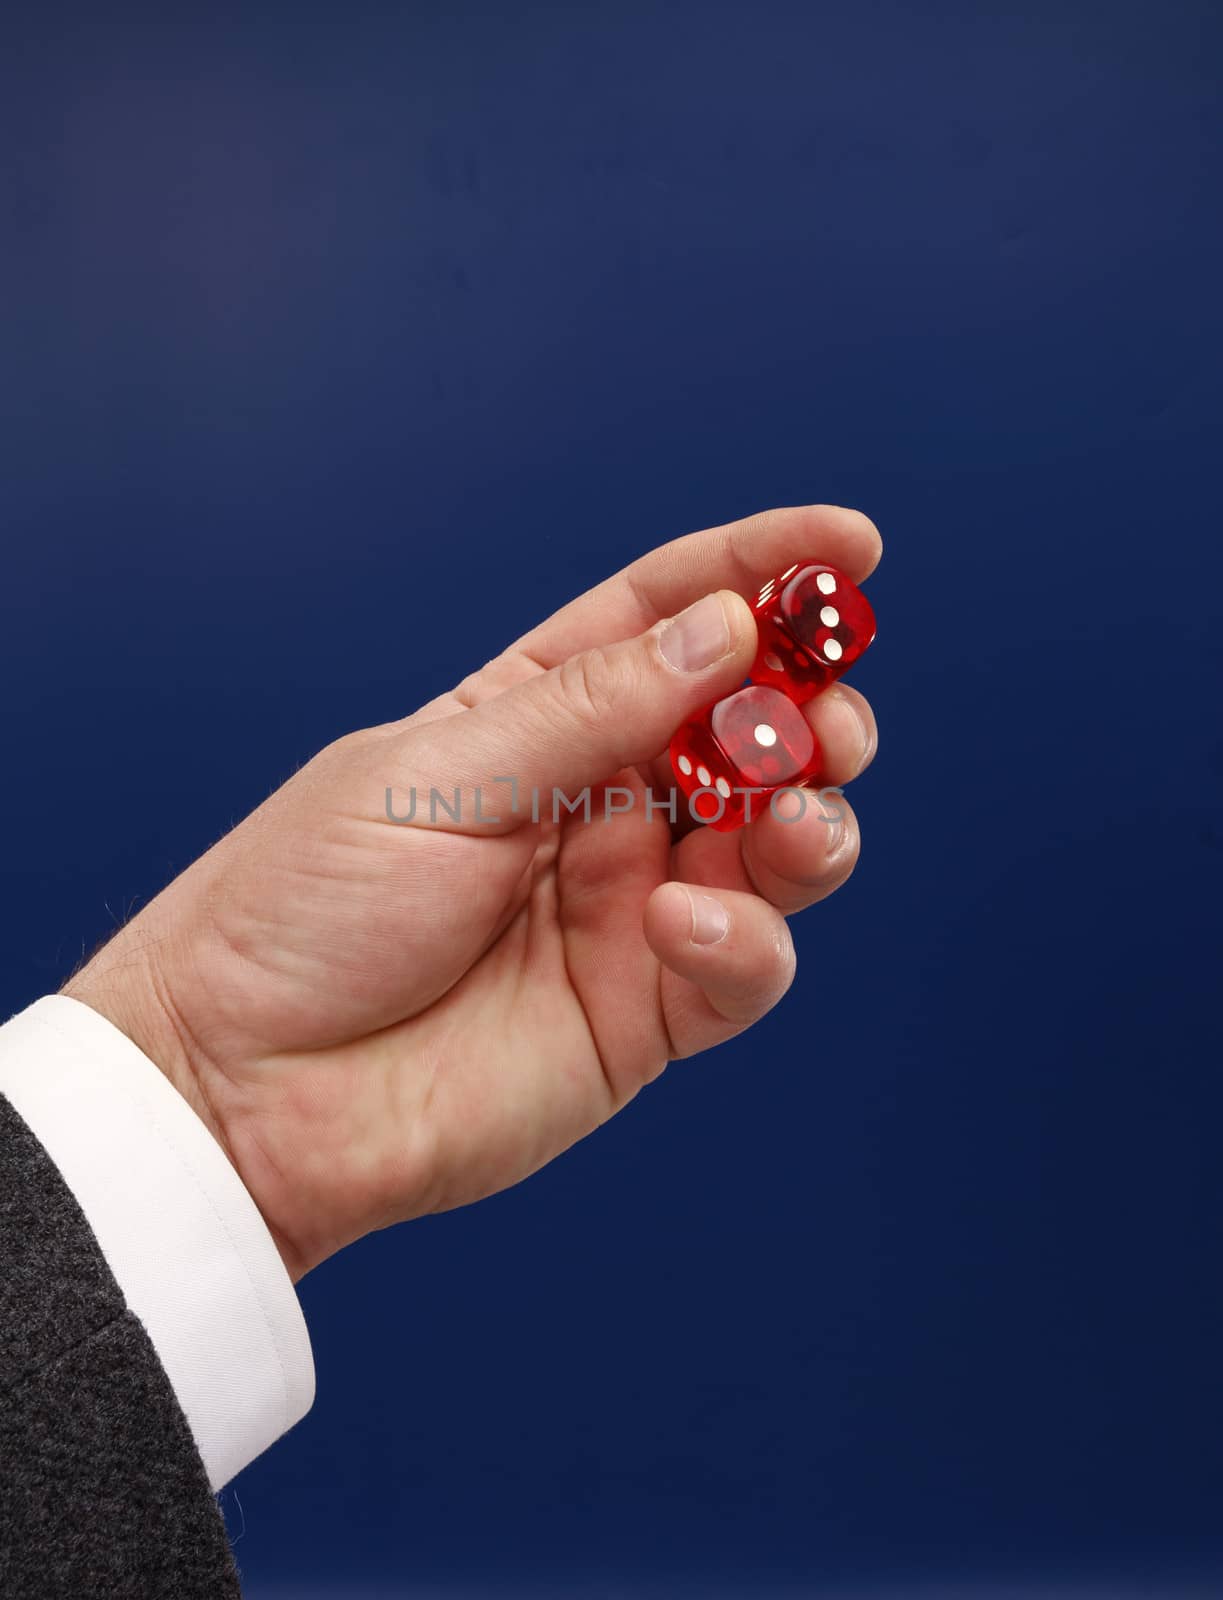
{"points": [[127, 983], [127, 988], [123, 985]]}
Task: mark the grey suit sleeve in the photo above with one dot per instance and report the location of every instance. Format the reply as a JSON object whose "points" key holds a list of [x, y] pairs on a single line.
{"points": [[102, 1490]]}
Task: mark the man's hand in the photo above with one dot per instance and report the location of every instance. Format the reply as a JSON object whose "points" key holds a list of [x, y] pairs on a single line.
{"points": [[379, 1020]]}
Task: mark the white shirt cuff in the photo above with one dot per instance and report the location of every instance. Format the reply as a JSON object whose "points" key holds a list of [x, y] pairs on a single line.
{"points": [[184, 1239]]}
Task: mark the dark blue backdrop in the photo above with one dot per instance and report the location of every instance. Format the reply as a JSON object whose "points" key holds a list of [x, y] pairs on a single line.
{"points": [[315, 313]]}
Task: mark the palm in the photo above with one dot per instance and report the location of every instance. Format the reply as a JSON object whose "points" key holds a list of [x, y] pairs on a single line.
{"points": [[493, 995]]}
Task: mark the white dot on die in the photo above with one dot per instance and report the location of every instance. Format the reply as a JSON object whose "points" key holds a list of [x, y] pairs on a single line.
{"points": [[826, 583], [773, 661], [765, 735], [684, 765], [723, 788], [832, 650], [829, 616], [702, 776]]}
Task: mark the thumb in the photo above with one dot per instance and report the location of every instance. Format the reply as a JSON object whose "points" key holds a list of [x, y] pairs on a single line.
{"points": [[606, 708]]}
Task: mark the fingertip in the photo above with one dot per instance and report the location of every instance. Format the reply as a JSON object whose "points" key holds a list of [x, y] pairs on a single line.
{"points": [[741, 972], [840, 535], [867, 538], [802, 850], [844, 724]]}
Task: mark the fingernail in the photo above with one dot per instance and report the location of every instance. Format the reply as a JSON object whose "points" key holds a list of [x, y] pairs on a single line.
{"points": [[697, 637], [710, 919], [840, 840], [834, 841]]}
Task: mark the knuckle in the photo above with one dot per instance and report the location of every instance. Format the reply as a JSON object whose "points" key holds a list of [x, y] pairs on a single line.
{"points": [[348, 750], [588, 688]]}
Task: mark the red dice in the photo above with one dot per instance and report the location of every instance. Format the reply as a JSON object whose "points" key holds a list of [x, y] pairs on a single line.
{"points": [[813, 624], [756, 739]]}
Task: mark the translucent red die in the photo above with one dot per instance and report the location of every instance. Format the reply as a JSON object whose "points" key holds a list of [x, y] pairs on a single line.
{"points": [[812, 624], [755, 739]]}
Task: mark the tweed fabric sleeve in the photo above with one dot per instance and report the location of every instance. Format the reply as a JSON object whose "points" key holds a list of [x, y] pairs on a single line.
{"points": [[102, 1489]]}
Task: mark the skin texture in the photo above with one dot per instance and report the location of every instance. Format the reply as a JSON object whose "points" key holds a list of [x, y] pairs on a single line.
{"points": [[378, 1020]]}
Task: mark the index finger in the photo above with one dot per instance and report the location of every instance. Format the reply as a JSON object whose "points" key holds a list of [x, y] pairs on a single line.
{"points": [[739, 555]]}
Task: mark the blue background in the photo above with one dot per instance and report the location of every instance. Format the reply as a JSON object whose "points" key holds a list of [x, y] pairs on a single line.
{"points": [[315, 318]]}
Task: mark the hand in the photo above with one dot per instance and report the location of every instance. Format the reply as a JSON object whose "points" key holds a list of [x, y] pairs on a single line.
{"points": [[379, 1020]]}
